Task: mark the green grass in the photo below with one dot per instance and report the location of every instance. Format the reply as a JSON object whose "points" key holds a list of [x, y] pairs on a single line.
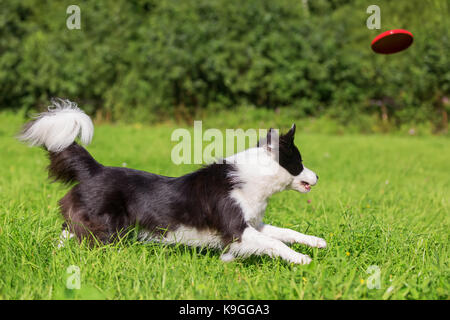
{"points": [[381, 200]]}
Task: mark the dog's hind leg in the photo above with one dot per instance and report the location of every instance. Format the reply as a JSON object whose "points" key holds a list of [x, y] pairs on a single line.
{"points": [[94, 228], [65, 235], [227, 257], [253, 242]]}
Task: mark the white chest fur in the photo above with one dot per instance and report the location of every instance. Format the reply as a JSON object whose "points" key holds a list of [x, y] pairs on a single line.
{"points": [[252, 207], [259, 176]]}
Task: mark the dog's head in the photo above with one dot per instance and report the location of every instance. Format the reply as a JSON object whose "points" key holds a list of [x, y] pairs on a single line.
{"points": [[288, 156]]}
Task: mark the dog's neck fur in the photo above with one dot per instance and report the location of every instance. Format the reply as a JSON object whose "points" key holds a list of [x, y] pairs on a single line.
{"points": [[260, 176]]}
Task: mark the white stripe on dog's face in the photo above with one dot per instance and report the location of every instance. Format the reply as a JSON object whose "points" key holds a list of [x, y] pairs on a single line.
{"points": [[304, 181]]}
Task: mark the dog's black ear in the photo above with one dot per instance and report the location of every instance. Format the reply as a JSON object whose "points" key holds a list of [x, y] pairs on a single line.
{"points": [[271, 141], [289, 136], [292, 130]]}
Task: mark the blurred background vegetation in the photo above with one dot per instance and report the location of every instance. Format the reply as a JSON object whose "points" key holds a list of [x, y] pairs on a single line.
{"points": [[153, 61]]}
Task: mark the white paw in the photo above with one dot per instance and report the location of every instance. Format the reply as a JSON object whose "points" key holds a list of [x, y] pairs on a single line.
{"points": [[300, 259], [65, 235], [227, 257], [316, 242]]}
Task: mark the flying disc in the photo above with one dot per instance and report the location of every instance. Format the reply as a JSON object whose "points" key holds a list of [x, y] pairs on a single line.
{"points": [[392, 41]]}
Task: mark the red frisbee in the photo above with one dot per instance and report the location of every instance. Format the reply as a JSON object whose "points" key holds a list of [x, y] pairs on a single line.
{"points": [[392, 41]]}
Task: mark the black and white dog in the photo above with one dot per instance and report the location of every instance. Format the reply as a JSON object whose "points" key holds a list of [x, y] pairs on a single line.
{"points": [[219, 206]]}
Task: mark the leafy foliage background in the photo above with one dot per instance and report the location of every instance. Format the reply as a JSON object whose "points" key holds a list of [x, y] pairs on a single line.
{"points": [[151, 60]]}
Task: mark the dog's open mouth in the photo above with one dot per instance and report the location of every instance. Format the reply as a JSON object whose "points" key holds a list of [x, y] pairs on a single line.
{"points": [[306, 185]]}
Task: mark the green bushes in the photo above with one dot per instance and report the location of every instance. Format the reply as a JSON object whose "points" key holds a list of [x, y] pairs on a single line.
{"points": [[151, 60]]}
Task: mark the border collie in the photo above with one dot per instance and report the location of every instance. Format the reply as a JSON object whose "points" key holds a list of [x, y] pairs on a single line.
{"points": [[220, 206]]}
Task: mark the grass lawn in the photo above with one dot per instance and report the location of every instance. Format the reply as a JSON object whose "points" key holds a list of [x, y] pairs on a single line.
{"points": [[381, 201]]}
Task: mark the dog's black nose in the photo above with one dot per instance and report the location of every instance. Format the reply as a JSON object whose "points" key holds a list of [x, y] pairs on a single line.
{"points": [[317, 177]]}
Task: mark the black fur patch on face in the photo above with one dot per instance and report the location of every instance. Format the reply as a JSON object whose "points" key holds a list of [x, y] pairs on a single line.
{"points": [[287, 155], [290, 157]]}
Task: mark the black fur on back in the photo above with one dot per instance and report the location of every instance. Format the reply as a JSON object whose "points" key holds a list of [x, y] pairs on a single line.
{"points": [[108, 201]]}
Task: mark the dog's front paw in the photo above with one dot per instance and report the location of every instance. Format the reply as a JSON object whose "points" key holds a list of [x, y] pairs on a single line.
{"points": [[300, 259], [316, 242]]}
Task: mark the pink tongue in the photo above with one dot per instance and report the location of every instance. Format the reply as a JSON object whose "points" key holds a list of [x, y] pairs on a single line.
{"points": [[307, 186]]}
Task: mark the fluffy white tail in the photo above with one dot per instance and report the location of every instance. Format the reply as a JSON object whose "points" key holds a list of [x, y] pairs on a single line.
{"points": [[58, 128]]}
